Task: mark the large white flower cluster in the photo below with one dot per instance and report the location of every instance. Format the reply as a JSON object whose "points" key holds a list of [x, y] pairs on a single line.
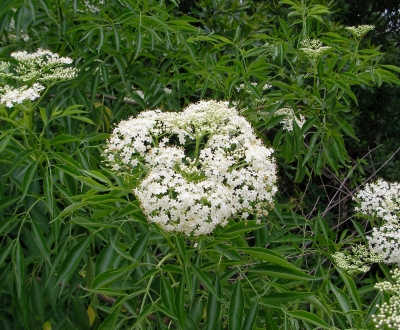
{"points": [[204, 166]]}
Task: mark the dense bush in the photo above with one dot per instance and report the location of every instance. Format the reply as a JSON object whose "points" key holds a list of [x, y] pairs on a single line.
{"points": [[76, 248]]}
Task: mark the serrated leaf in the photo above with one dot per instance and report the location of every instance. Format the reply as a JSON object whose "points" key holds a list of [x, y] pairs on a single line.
{"points": [[263, 254], [289, 273], [214, 305], [283, 297], [71, 261], [309, 318], [105, 259], [28, 177], [19, 269], [40, 241], [236, 308], [139, 247], [250, 317], [109, 276], [167, 295], [240, 228]]}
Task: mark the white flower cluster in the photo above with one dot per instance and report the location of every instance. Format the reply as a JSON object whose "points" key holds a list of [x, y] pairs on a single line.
{"points": [[380, 199], [242, 86], [42, 66], [360, 30], [205, 165], [10, 95], [389, 313], [358, 261], [313, 47], [287, 122], [93, 7], [386, 242]]}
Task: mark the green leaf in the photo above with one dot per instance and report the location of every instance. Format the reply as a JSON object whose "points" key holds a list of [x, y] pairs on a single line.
{"points": [[288, 149], [352, 289], [40, 241], [289, 273], [109, 276], [251, 317], [180, 303], [308, 317], [344, 125], [19, 269], [343, 301], [214, 305], [71, 261], [5, 251], [275, 120], [28, 177], [181, 246], [37, 300], [167, 295], [8, 201], [92, 184], [110, 321], [64, 139], [263, 254], [105, 259], [240, 228], [204, 279], [48, 189], [236, 307], [283, 297], [139, 247]]}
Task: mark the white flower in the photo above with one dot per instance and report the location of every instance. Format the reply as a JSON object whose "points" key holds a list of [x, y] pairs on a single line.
{"points": [[389, 313], [9, 95], [386, 242], [358, 260], [360, 30], [290, 117], [43, 65], [204, 166], [139, 93], [380, 199], [313, 47]]}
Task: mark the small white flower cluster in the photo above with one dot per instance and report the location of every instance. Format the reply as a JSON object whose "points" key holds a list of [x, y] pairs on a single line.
{"points": [[242, 86], [380, 199], [313, 47], [42, 66], [10, 95], [389, 313], [139, 93], [290, 118], [167, 90], [358, 261], [360, 30], [204, 166], [93, 8]]}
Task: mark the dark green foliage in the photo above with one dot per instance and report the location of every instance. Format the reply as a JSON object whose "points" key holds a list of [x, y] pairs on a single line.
{"points": [[76, 252]]}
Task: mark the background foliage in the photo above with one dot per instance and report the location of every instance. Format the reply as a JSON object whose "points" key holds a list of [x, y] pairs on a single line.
{"points": [[75, 249]]}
